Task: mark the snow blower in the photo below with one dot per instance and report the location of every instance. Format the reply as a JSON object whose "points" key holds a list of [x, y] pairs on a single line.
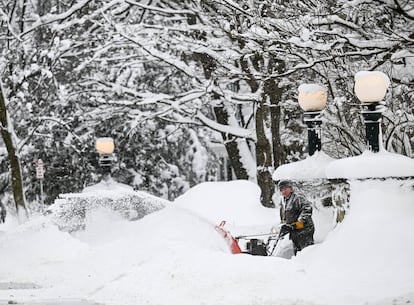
{"points": [[254, 245]]}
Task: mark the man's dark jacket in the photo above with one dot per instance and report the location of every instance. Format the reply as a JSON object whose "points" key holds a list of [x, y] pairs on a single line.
{"points": [[297, 208]]}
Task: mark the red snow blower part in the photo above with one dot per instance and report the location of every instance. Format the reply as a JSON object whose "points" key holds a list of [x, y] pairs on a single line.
{"points": [[254, 246], [231, 241]]}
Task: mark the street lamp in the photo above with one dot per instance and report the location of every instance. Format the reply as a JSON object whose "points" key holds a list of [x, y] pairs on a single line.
{"points": [[105, 148], [370, 88], [312, 99]]}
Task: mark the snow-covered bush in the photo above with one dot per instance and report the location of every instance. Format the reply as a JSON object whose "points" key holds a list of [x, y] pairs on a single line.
{"points": [[69, 212]]}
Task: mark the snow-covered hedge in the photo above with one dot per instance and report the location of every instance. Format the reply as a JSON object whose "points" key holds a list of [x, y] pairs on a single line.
{"points": [[69, 211]]}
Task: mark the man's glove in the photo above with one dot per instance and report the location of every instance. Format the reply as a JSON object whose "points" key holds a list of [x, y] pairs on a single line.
{"points": [[286, 228], [298, 225]]}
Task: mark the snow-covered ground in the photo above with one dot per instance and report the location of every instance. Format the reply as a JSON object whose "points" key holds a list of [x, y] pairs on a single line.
{"points": [[174, 256]]}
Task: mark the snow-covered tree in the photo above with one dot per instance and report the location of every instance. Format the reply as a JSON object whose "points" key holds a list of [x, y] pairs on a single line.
{"points": [[31, 73], [243, 62], [159, 75]]}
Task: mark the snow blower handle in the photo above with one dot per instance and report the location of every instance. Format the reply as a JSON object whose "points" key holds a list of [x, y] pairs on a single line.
{"points": [[285, 229], [254, 235]]}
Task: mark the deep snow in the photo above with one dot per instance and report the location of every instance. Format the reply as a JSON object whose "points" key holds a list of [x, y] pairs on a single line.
{"points": [[174, 256]]}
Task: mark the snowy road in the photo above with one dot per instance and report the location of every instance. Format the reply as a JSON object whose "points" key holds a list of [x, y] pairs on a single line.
{"points": [[48, 302], [12, 288]]}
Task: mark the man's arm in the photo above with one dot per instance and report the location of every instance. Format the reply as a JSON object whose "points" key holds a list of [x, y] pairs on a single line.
{"points": [[305, 209]]}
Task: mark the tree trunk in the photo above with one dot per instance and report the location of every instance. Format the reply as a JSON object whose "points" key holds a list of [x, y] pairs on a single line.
{"points": [[231, 145], [263, 158], [16, 174], [275, 95]]}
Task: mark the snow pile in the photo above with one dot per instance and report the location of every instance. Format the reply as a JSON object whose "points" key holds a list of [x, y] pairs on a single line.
{"points": [[382, 164], [215, 201], [37, 247], [368, 257]]}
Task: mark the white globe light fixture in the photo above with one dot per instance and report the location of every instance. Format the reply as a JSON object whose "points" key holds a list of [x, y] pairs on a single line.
{"points": [[312, 99], [370, 88], [105, 148]]}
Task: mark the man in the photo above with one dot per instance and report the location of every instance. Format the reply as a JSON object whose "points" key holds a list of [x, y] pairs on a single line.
{"points": [[296, 216]]}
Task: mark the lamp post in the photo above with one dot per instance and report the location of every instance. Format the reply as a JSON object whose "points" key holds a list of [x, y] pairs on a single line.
{"points": [[370, 88], [105, 148], [312, 99]]}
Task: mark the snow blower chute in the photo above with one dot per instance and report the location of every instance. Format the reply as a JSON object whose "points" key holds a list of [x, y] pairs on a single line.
{"points": [[234, 246]]}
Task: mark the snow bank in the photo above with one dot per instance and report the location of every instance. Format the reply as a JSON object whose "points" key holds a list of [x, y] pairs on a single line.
{"points": [[217, 201], [36, 247], [368, 256], [371, 165]]}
